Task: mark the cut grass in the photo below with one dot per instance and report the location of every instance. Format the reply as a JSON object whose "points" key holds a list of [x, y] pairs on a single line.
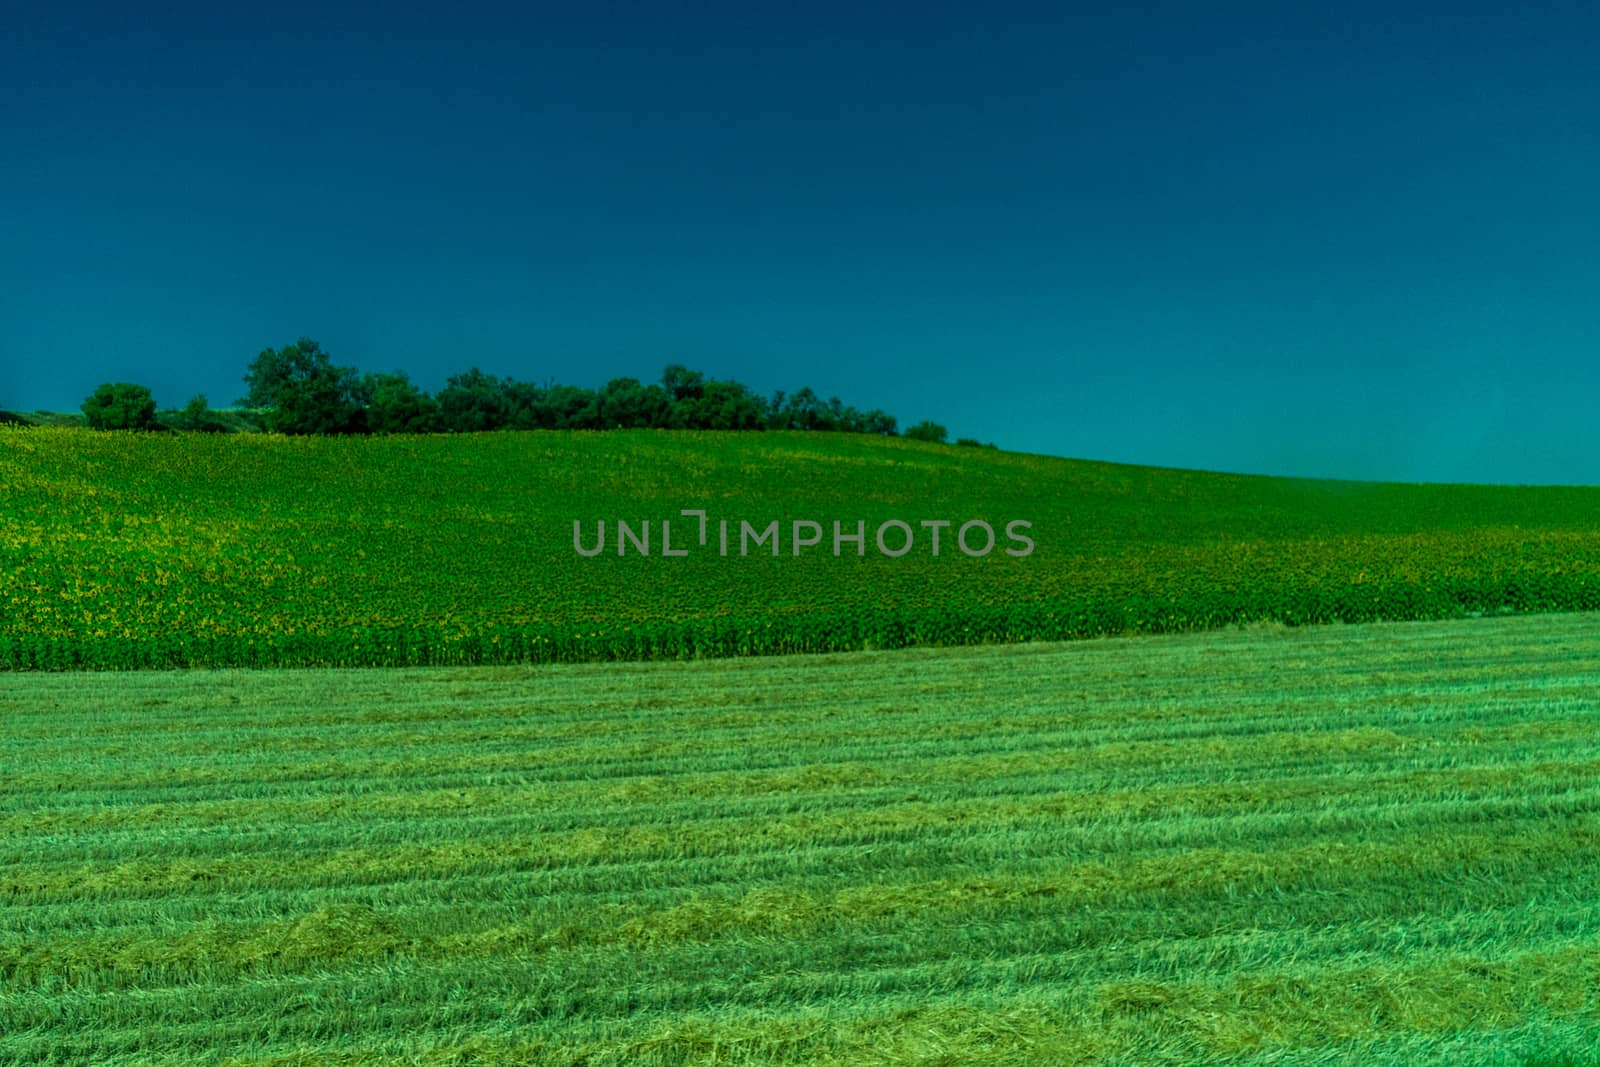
{"points": [[1344, 845]]}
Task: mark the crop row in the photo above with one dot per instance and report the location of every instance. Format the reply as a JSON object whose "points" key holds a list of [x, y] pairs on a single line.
{"points": [[756, 635]]}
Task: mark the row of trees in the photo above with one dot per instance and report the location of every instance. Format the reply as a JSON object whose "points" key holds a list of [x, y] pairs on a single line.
{"points": [[298, 389], [303, 391]]}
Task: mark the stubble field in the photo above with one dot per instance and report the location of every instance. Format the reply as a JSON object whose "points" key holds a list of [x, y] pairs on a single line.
{"points": [[1353, 844]]}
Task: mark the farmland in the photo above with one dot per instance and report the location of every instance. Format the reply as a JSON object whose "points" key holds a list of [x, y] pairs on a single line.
{"points": [[122, 550], [1334, 845]]}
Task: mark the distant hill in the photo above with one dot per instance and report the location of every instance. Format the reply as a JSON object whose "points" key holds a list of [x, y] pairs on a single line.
{"points": [[52, 418], [253, 549], [232, 420]]}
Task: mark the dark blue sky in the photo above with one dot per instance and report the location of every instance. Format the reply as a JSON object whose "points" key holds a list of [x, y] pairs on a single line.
{"points": [[1335, 240]]}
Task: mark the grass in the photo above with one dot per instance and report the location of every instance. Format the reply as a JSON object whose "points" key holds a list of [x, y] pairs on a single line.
{"points": [[1336, 845], [126, 551]]}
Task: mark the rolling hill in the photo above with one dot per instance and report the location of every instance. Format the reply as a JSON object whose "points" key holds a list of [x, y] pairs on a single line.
{"points": [[121, 550]]}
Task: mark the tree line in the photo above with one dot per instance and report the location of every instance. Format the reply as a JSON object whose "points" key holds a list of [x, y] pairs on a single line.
{"points": [[298, 389]]}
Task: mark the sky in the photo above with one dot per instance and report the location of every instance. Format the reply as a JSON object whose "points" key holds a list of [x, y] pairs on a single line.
{"points": [[1339, 240]]}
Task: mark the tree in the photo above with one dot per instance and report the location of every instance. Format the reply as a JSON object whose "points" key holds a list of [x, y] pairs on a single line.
{"points": [[575, 407], [196, 417], [841, 416], [681, 383], [526, 404], [723, 406], [475, 402], [777, 414], [303, 392], [395, 405], [626, 403], [927, 431], [880, 422], [120, 406], [803, 410]]}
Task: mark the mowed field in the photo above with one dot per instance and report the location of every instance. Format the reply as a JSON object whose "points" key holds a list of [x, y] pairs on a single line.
{"points": [[1325, 845]]}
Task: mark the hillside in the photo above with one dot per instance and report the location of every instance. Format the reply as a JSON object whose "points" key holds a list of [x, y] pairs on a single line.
{"points": [[155, 550]]}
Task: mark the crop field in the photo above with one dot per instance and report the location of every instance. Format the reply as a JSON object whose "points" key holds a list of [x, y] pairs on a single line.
{"points": [[125, 550], [1366, 845]]}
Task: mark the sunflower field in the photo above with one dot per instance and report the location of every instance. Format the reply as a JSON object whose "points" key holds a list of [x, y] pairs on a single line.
{"points": [[142, 551]]}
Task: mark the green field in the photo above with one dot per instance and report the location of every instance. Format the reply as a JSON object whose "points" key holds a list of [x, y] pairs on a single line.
{"points": [[127, 550], [1319, 845]]}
